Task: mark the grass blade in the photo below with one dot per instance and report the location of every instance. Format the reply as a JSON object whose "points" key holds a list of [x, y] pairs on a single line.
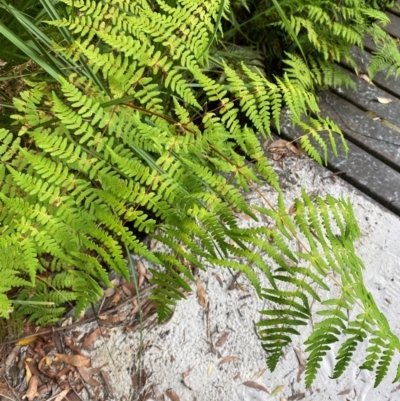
{"points": [[28, 51], [217, 25], [288, 26]]}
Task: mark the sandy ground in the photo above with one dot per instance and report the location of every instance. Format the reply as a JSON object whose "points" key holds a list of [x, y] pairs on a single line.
{"points": [[183, 362]]}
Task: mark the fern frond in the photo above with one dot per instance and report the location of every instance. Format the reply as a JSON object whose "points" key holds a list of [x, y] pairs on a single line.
{"points": [[320, 341], [293, 311], [357, 334], [151, 140]]}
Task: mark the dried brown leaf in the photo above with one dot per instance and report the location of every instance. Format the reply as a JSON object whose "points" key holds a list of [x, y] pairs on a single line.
{"points": [[299, 356], [115, 282], [280, 143], [384, 100], [44, 389], [240, 287], [68, 321], [32, 368], [92, 337], [222, 340], [139, 379], [87, 376], [146, 396], [58, 340], [141, 269], [135, 307], [70, 344], [172, 395], [97, 369], [220, 282], [365, 77], [62, 395], [129, 289], [107, 381], [185, 375], [148, 309], [74, 360], [201, 294], [78, 387], [142, 273], [28, 372], [301, 370], [117, 297], [141, 281], [157, 393], [6, 392], [265, 144], [344, 392], [297, 396], [109, 292], [256, 386], [227, 360], [32, 392], [43, 366], [113, 318], [292, 148], [10, 359], [302, 364]]}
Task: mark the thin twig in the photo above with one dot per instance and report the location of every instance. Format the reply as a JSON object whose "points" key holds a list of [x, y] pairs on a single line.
{"points": [[7, 398], [73, 325], [8, 384], [135, 281]]}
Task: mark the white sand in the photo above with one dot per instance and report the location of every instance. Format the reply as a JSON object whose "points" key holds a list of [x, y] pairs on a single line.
{"points": [[182, 344]]}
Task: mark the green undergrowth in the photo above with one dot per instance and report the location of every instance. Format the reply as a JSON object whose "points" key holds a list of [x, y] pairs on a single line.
{"points": [[142, 118]]}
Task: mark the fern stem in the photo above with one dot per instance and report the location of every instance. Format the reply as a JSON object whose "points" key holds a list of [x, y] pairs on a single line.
{"points": [[135, 281]]}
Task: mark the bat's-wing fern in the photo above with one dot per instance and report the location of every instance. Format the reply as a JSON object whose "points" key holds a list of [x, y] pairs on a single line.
{"points": [[143, 136]]}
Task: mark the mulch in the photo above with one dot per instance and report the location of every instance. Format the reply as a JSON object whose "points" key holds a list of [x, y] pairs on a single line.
{"points": [[53, 363]]}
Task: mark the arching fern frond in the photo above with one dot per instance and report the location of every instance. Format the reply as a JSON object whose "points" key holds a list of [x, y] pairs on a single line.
{"points": [[150, 141]]}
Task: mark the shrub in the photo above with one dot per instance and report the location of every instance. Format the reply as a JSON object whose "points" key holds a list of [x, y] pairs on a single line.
{"points": [[126, 132], [310, 36]]}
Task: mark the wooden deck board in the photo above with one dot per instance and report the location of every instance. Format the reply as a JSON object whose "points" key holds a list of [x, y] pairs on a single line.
{"points": [[396, 9], [371, 135], [366, 97], [371, 127], [364, 171], [393, 28], [390, 84]]}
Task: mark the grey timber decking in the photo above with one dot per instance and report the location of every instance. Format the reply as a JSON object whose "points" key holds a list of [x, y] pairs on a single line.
{"points": [[371, 126], [390, 83], [393, 28]]}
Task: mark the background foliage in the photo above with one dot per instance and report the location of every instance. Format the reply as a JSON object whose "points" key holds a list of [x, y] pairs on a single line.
{"points": [[140, 117]]}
